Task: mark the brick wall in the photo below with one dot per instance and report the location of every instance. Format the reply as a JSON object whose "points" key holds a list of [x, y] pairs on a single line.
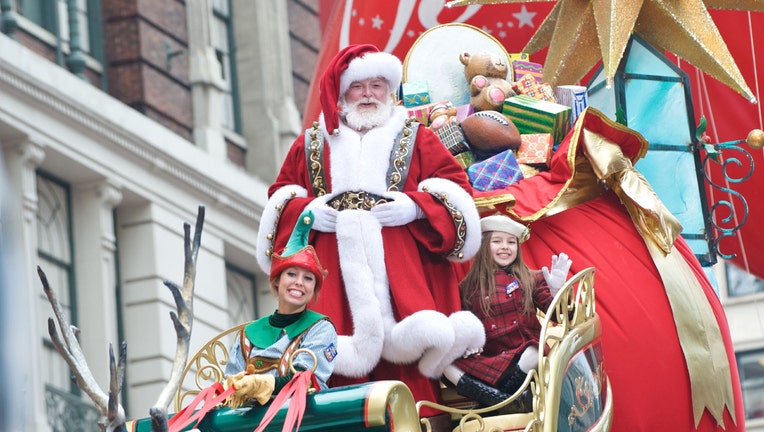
{"points": [[138, 34], [305, 42]]}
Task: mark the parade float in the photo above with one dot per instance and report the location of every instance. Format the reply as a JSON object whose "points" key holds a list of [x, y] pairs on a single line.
{"points": [[652, 350]]}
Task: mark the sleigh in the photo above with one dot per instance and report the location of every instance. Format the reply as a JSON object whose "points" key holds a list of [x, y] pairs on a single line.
{"points": [[570, 390]]}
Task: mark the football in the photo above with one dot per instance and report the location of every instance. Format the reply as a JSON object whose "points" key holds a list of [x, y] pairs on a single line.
{"points": [[489, 133]]}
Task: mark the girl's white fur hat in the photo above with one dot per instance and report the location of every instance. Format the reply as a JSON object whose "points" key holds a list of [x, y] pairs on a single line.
{"points": [[505, 224]]}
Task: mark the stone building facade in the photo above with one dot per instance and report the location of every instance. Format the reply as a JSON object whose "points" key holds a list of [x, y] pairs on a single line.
{"points": [[118, 119]]}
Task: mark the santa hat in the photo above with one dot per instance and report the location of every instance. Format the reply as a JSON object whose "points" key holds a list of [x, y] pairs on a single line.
{"points": [[354, 63], [504, 224], [298, 253]]}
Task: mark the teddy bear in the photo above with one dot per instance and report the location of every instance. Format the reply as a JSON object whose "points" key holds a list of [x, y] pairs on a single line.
{"points": [[486, 73], [442, 113]]}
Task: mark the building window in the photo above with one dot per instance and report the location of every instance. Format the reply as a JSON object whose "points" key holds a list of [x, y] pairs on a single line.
{"points": [[223, 43], [741, 283], [751, 369], [53, 17], [242, 299], [54, 250], [65, 407]]}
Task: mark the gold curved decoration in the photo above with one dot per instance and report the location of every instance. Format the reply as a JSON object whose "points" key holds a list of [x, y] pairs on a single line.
{"points": [[577, 325], [459, 223], [393, 398], [209, 362], [400, 157], [316, 166], [299, 351]]}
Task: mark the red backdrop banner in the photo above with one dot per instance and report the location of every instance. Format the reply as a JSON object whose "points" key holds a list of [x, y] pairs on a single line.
{"points": [[394, 26]]}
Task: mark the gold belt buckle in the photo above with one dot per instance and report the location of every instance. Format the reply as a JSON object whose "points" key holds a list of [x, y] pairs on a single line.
{"points": [[356, 200]]}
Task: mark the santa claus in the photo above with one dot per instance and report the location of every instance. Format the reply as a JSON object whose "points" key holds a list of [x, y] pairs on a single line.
{"points": [[393, 210]]}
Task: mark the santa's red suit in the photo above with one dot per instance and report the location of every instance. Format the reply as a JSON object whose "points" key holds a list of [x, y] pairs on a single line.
{"points": [[391, 291], [666, 344]]}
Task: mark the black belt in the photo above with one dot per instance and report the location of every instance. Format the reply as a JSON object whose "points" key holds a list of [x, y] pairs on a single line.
{"points": [[359, 200]]}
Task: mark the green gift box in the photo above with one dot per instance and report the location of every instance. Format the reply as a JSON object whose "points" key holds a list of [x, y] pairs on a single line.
{"points": [[534, 116], [415, 93]]}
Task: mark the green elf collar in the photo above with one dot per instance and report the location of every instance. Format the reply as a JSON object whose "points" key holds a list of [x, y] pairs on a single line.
{"points": [[262, 334]]}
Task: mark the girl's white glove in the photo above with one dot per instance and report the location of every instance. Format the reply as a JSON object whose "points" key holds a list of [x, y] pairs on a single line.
{"points": [[557, 276]]}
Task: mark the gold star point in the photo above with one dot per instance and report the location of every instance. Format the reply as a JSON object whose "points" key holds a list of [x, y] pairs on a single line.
{"points": [[581, 32]]}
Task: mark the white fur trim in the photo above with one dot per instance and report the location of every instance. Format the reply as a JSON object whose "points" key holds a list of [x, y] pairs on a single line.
{"points": [[361, 253], [463, 202], [373, 65], [268, 222], [469, 337], [361, 162], [426, 335]]}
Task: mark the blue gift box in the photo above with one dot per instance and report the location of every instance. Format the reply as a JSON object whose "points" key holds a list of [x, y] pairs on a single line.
{"points": [[576, 97], [496, 172], [415, 93]]}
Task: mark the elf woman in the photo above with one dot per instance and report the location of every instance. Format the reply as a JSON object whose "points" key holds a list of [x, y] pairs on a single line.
{"points": [[258, 365]]}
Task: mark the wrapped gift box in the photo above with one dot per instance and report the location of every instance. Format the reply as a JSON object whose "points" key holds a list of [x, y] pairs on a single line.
{"points": [[415, 93], [532, 116], [528, 85], [496, 172], [452, 136], [535, 149], [512, 58], [465, 159], [522, 67], [518, 56], [576, 97], [464, 111], [421, 113]]}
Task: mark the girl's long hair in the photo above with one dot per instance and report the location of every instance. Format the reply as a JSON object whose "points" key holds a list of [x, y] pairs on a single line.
{"points": [[480, 278]]}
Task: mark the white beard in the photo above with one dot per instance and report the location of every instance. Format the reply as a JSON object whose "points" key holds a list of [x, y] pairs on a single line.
{"points": [[368, 119]]}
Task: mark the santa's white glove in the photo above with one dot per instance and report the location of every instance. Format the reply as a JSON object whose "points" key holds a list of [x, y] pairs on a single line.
{"points": [[400, 211], [324, 217], [557, 276]]}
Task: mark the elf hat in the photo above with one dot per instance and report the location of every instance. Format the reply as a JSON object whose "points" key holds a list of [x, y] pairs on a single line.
{"points": [[298, 253], [354, 63], [505, 224]]}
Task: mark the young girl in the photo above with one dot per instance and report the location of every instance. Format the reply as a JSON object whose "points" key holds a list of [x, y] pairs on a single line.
{"points": [[504, 293], [258, 361]]}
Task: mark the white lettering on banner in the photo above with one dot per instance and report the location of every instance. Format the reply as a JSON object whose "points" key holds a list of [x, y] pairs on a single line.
{"points": [[427, 13]]}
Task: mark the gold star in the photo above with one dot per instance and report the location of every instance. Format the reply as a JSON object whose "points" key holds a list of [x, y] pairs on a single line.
{"points": [[581, 32]]}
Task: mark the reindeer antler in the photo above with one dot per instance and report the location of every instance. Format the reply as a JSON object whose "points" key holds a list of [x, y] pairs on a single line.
{"points": [[112, 413], [182, 321]]}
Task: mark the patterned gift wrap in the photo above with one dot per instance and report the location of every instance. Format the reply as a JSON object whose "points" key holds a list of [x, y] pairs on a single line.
{"points": [[513, 57], [415, 93], [528, 85], [452, 136], [522, 67], [465, 159], [496, 172], [532, 116], [576, 97], [421, 113], [535, 149]]}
